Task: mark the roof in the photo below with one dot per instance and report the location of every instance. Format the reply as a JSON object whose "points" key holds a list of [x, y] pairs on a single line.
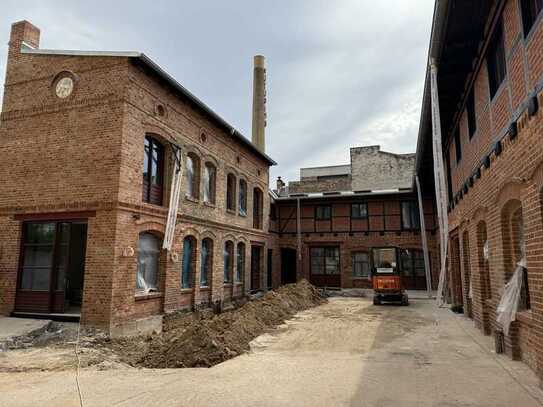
{"points": [[457, 30], [149, 63], [341, 194]]}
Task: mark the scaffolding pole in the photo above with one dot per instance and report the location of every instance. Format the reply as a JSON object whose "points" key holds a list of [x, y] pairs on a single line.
{"points": [[439, 180], [177, 175], [424, 241]]}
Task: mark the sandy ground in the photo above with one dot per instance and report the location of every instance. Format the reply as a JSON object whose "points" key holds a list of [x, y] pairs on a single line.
{"points": [[344, 353]]}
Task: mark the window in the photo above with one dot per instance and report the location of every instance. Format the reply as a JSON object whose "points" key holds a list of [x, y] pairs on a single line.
{"points": [[457, 145], [519, 252], [189, 261], [257, 208], [361, 265], [412, 263], [228, 256], [231, 192], [470, 108], [206, 262], [495, 60], [153, 171], [530, 11], [359, 211], [242, 205], [324, 260], [323, 212], [148, 260], [38, 248], [410, 215], [449, 175], [240, 263], [193, 176], [210, 174]]}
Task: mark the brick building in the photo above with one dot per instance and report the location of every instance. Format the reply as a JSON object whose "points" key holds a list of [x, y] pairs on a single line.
{"points": [[490, 75], [90, 138], [344, 212]]}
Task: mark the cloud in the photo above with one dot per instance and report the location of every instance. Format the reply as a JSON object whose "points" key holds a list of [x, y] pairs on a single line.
{"points": [[340, 74]]}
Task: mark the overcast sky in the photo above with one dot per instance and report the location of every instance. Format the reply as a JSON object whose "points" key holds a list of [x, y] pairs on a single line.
{"points": [[340, 73]]}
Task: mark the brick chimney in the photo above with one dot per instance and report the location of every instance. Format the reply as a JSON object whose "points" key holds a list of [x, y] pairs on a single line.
{"points": [[259, 103], [21, 32]]}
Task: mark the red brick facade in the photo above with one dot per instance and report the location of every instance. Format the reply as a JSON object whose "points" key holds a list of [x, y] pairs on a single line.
{"points": [[84, 155], [504, 205]]}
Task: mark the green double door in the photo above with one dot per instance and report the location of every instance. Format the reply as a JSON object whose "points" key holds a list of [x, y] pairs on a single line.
{"points": [[51, 266]]}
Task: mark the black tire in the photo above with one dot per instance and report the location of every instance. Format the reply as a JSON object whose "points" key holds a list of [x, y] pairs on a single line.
{"points": [[405, 300], [376, 300]]}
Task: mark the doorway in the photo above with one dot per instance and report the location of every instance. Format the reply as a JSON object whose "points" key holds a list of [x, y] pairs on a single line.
{"points": [[288, 266], [51, 267], [269, 279], [256, 258]]}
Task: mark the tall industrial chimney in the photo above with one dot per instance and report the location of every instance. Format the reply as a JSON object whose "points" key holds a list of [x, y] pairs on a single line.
{"points": [[259, 103]]}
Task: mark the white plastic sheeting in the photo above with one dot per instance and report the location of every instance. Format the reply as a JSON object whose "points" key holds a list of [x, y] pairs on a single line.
{"points": [[508, 306], [148, 253]]}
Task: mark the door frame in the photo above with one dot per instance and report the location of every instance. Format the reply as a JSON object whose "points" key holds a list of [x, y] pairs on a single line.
{"points": [[52, 293]]}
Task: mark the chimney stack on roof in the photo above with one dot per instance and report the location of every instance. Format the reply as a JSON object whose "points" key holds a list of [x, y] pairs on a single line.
{"points": [[259, 103]]}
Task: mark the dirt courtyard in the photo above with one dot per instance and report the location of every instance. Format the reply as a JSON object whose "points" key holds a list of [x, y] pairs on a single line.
{"points": [[346, 352]]}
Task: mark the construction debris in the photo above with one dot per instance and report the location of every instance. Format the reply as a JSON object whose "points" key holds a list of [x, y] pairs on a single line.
{"points": [[204, 340]]}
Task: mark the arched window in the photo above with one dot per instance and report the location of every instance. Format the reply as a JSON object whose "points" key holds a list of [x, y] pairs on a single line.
{"points": [[210, 175], [206, 262], [257, 208], [148, 262], [518, 253], [231, 192], [193, 176], [153, 171], [189, 262], [240, 264], [242, 205], [228, 261]]}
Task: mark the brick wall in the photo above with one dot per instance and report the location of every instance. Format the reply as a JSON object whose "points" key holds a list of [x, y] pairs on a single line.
{"points": [[510, 188], [85, 153]]}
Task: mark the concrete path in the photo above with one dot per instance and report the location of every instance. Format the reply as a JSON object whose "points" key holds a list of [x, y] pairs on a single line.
{"points": [[345, 353], [10, 327]]}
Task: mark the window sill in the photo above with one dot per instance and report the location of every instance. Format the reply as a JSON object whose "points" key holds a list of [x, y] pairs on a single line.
{"points": [[187, 290], [231, 212], [361, 278], [140, 296], [238, 283], [243, 215], [205, 288], [209, 204], [191, 199], [227, 284]]}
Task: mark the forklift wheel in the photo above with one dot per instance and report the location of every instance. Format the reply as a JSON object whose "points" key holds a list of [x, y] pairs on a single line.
{"points": [[405, 300], [376, 300]]}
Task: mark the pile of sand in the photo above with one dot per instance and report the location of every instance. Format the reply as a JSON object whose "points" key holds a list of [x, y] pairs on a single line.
{"points": [[203, 340]]}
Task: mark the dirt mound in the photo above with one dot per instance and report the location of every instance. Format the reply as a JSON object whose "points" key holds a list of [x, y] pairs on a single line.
{"points": [[203, 340]]}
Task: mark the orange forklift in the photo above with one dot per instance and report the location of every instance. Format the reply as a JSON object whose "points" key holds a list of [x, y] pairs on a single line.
{"points": [[387, 276]]}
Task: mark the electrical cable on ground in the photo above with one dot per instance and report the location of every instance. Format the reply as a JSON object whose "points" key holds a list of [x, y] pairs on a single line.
{"points": [[78, 364]]}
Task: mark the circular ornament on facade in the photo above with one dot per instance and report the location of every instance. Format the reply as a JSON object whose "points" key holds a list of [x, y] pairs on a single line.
{"points": [[64, 87]]}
